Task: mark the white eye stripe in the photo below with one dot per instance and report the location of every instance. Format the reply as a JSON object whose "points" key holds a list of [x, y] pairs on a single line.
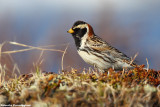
{"points": [[81, 26]]}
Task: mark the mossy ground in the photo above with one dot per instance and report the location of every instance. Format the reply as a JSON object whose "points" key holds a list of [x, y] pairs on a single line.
{"points": [[137, 87]]}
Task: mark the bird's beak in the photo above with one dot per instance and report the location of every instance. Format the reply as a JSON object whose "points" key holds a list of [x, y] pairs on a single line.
{"points": [[70, 31]]}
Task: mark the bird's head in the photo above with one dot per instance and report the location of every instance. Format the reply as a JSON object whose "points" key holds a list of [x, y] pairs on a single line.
{"points": [[81, 28], [81, 31]]}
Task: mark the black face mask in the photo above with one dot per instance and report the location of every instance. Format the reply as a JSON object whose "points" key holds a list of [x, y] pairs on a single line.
{"points": [[78, 34]]}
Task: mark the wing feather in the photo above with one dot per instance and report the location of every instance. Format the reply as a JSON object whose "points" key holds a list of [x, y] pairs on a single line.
{"points": [[98, 44]]}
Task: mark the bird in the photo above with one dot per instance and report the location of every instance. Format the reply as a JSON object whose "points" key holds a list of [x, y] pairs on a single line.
{"points": [[97, 52]]}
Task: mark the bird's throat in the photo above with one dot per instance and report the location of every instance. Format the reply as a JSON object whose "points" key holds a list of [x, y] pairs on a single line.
{"points": [[77, 41]]}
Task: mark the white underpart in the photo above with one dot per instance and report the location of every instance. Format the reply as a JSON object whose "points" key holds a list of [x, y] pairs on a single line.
{"points": [[100, 63], [93, 60]]}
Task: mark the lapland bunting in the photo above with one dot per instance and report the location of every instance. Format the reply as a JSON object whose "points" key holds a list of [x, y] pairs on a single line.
{"points": [[96, 51]]}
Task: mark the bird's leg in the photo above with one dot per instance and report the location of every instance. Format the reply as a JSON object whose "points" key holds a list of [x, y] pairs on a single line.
{"points": [[107, 70], [101, 71], [113, 68], [95, 67], [108, 73], [126, 69], [98, 69]]}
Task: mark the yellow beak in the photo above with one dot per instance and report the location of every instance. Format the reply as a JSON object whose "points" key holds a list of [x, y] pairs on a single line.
{"points": [[70, 31]]}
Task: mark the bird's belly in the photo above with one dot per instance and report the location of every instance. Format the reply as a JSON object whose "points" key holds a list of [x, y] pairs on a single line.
{"points": [[94, 60], [100, 63]]}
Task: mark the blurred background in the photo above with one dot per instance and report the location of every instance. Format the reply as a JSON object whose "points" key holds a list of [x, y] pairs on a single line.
{"points": [[130, 26]]}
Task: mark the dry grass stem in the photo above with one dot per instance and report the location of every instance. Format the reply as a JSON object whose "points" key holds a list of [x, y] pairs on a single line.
{"points": [[29, 48], [63, 56], [134, 58]]}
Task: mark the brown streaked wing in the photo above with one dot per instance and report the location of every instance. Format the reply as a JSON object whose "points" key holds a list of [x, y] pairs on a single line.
{"points": [[98, 44]]}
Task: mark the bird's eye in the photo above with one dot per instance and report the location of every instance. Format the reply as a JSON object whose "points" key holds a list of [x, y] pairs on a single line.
{"points": [[76, 29]]}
